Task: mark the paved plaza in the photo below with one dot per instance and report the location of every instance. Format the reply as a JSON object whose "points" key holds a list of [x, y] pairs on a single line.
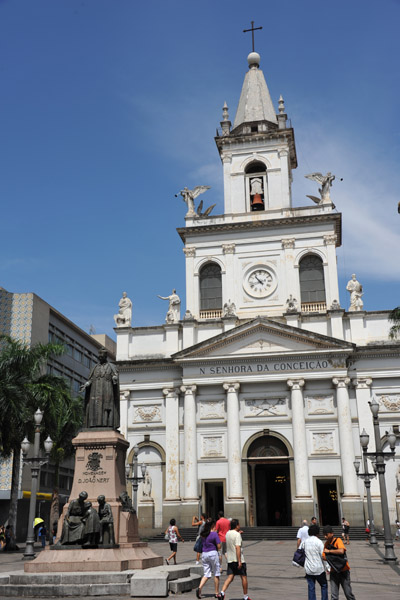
{"points": [[271, 574]]}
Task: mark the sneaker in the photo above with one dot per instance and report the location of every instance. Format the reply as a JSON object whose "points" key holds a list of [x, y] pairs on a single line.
{"points": [[197, 562], [221, 595], [166, 560]]}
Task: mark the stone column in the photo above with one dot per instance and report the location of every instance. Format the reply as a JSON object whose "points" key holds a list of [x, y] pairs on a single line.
{"points": [[190, 433], [123, 411], [234, 446], [171, 444], [347, 455], [299, 439]]}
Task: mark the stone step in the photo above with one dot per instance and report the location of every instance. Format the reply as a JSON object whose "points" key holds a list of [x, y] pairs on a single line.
{"points": [[184, 584], [64, 590], [19, 578]]}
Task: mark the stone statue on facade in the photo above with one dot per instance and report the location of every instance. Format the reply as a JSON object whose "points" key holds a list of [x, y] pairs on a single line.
{"points": [[81, 525], [229, 309], [335, 305], [174, 309], [292, 306], [124, 316], [326, 183], [106, 522], [102, 395], [189, 196], [356, 291], [147, 485]]}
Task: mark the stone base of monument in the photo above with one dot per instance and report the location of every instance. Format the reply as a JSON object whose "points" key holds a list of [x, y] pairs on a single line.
{"points": [[146, 514], [128, 556], [100, 470]]}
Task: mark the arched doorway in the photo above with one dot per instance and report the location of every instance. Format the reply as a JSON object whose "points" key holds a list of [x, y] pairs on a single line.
{"points": [[269, 482]]}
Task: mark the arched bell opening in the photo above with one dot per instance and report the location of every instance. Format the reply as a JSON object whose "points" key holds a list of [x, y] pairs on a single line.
{"points": [[269, 482], [256, 185]]}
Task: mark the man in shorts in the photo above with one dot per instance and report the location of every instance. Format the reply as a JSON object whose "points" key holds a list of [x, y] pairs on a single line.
{"points": [[222, 527], [236, 564]]}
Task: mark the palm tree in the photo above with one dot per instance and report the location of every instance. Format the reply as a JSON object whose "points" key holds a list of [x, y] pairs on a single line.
{"points": [[394, 317], [21, 389]]}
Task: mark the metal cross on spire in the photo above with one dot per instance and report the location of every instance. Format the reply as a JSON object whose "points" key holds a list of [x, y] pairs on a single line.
{"points": [[253, 29]]}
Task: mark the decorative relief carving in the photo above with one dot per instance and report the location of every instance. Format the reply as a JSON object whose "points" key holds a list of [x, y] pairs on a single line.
{"points": [[322, 442], [189, 252], [390, 401], [214, 409], [330, 239], [266, 407], [288, 243], [320, 405], [338, 363], [228, 248], [213, 446], [147, 413]]}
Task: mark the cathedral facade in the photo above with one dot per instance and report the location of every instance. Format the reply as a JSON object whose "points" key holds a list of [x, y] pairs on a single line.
{"points": [[253, 400]]}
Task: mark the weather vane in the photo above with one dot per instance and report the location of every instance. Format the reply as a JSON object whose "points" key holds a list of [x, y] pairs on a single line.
{"points": [[253, 29]]}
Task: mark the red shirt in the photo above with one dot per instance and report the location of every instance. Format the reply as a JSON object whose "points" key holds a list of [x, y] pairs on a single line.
{"points": [[222, 526]]}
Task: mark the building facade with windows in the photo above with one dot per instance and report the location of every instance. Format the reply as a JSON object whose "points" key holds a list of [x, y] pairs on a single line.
{"points": [[254, 401]]}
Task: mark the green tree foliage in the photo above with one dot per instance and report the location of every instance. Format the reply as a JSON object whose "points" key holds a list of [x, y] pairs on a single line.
{"points": [[25, 386], [394, 317]]}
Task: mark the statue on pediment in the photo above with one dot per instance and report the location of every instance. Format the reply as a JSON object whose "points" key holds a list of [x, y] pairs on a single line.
{"points": [[326, 183], [229, 309], [124, 316], [174, 308], [292, 306], [356, 292]]}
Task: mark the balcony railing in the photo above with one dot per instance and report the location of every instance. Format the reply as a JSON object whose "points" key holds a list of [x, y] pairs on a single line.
{"points": [[215, 313], [313, 307]]}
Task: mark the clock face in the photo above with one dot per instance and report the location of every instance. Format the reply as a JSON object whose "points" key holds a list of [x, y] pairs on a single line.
{"points": [[259, 282]]}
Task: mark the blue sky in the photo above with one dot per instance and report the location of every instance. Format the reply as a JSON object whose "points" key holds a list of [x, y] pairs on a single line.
{"points": [[109, 107]]}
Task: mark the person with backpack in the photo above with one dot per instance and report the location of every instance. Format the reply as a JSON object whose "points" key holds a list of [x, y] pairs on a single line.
{"points": [[335, 555]]}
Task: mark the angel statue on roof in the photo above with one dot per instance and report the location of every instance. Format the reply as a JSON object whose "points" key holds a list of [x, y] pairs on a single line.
{"points": [[326, 182], [189, 196]]}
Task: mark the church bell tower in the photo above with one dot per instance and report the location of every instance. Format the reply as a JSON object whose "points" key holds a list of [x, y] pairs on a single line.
{"points": [[262, 255]]}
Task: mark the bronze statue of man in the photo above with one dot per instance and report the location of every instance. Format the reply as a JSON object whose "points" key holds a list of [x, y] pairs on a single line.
{"points": [[102, 395]]}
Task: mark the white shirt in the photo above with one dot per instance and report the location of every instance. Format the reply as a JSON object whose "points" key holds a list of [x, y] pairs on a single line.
{"points": [[302, 533], [313, 548], [233, 539]]}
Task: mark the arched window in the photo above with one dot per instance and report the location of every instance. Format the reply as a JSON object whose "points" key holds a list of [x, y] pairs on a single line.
{"points": [[210, 287], [312, 284], [256, 185]]}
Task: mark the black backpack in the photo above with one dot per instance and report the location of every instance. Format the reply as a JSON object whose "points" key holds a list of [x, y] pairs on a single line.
{"points": [[336, 561]]}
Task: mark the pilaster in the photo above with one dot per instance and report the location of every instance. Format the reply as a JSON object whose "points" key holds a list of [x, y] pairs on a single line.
{"points": [[229, 287], [301, 472], [190, 492], [234, 447], [191, 281], [172, 491], [347, 455]]}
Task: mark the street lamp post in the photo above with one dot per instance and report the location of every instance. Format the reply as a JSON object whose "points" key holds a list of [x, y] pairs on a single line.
{"points": [[366, 476], [134, 478], [35, 462], [379, 458]]}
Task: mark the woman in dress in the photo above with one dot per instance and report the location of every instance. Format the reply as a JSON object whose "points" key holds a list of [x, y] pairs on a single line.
{"points": [[173, 534], [210, 556]]}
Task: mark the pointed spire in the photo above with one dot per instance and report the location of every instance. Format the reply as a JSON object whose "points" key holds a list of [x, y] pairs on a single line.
{"points": [[225, 123], [255, 102], [282, 117]]}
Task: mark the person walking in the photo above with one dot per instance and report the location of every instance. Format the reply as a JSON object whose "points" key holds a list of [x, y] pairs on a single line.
{"points": [[236, 562], [335, 555], [210, 557], [313, 565], [199, 523], [397, 536], [42, 534], [222, 526], [173, 534], [302, 533], [345, 531]]}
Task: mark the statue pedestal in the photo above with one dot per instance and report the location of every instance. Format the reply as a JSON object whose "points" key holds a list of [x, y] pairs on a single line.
{"points": [[100, 470], [146, 513]]}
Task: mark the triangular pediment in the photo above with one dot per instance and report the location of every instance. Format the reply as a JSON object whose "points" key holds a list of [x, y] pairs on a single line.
{"points": [[261, 337]]}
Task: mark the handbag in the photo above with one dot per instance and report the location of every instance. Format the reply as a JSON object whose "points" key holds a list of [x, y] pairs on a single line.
{"points": [[336, 561], [198, 546], [299, 557], [166, 537]]}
